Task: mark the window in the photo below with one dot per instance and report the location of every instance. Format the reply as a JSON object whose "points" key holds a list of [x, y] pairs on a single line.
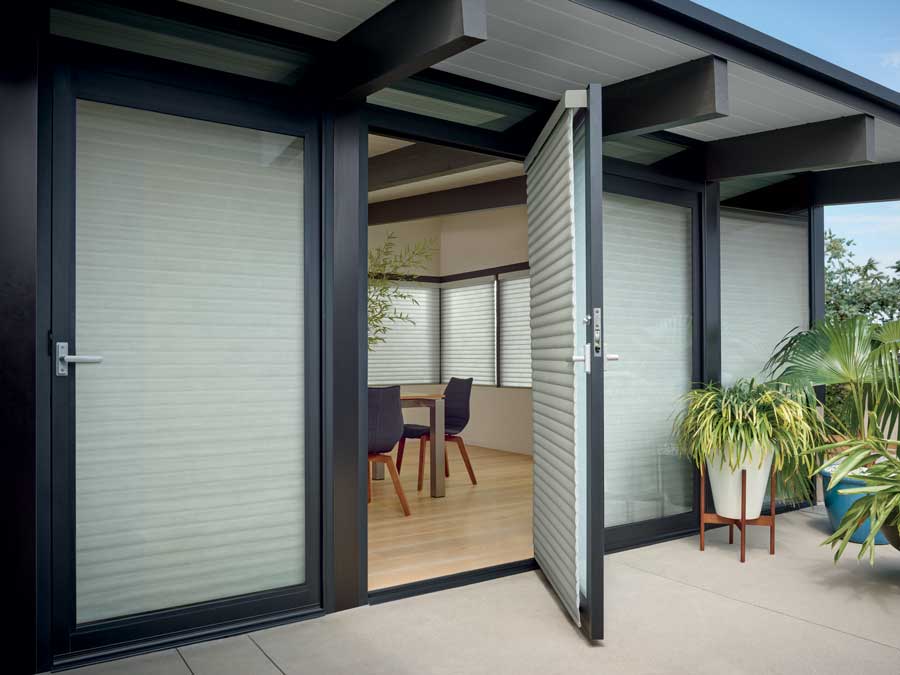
{"points": [[765, 287], [514, 339], [468, 331], [409, 354], [478, 328]]}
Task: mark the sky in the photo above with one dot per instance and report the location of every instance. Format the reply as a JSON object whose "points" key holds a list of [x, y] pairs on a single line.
{"points": [[862, 36]]}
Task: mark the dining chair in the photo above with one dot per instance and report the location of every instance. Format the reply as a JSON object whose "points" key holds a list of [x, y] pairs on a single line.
{"points": [[457, 395], [385, 429]]}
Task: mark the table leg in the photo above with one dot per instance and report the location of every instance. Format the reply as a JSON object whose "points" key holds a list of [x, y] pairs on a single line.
{"points": [[437, 448], [378, 471]]}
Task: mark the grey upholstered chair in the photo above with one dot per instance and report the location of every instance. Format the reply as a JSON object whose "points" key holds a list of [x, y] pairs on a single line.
{"points": [[385, 429], [456, 416]]}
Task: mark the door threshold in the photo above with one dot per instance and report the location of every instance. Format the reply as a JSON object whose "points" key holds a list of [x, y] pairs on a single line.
{"points": [[450, 581]]}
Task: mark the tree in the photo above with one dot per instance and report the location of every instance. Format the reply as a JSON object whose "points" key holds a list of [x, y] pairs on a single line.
{"points": [[854, 289]]}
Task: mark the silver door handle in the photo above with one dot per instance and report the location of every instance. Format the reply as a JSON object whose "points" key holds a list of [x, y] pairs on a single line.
{"points": [[63, 359], [82, 359], [612, 357]]}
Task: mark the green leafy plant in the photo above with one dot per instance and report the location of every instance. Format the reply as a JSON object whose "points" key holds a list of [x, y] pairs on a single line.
{"points": [[854, 288], [855, 353], [389, 266], [880, 503], [864, 359], [726, 424]]}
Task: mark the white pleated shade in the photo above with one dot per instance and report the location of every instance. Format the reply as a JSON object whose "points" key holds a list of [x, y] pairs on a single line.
{"points": [[189, 458], [647, 282]]}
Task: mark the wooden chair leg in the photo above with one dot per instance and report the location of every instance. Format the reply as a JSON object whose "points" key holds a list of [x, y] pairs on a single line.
{"points": [[397, 487], [446, 461], [422, 441], [465, 455], [400, 447], [370, 480]]}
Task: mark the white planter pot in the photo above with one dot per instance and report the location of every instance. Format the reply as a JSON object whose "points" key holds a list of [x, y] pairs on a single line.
{"points": [[726, 485]]}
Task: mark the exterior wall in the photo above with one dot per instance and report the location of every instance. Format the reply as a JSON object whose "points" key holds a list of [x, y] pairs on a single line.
{"points": [[501, 416]]}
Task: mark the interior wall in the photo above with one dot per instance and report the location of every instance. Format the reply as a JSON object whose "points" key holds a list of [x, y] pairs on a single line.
{"points": [[500, 416]]}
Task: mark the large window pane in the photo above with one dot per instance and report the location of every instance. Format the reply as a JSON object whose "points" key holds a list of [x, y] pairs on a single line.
{"points": [[647, 278], [189, 457], [765, 287], [514, 299], [468, 333], [409, 353]]}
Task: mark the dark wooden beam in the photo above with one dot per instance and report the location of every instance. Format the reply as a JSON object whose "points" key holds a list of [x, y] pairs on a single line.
{"points": [[860, 184], [789, 196], [844, 141], [683, 94], [496, 194], [854, 185], [422, 161], [404, 38]]}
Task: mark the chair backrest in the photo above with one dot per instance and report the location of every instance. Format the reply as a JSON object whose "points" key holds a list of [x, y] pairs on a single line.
{"points": [[385, 418], [456, 404]]}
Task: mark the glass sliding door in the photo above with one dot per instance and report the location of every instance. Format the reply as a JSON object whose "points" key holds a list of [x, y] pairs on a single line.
{"points": [[185, 405], [649, 337]]}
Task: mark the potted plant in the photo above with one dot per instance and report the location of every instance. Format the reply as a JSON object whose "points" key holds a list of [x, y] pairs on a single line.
{"points": [[861, 358], [876, 495], [749, 426]]}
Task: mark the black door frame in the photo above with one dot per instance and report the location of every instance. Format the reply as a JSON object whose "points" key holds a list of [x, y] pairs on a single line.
{"points": [[108, 76], [625, 183]]}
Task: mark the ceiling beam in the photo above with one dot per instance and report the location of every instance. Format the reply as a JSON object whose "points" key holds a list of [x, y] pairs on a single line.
{"points": [[789, 196], [689, 92], [492, 195], [422, 161], [840, 142], [854, 185], [402, 39], [857, 185]]}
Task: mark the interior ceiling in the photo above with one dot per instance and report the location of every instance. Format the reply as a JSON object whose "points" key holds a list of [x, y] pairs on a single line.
{"points": [[378, 145], [544, 47]]}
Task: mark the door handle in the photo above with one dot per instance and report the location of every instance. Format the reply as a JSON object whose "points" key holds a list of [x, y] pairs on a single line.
{"points": [[612, 357], [63, 359]]}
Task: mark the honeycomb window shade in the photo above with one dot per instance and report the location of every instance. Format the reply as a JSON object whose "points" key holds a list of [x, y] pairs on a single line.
{"points": [[189, 437]]}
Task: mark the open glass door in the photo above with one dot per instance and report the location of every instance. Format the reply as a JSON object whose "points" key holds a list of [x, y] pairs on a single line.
{"points": [[564, 178]]}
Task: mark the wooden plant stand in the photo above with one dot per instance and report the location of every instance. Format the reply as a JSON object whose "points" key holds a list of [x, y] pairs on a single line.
{"points": [[742, 522]]}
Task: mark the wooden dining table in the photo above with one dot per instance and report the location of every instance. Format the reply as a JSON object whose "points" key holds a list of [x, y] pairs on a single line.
{"points": [[435, 405]]}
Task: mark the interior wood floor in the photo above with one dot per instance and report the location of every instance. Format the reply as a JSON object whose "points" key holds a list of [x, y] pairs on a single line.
{"points": [[473, 526]]}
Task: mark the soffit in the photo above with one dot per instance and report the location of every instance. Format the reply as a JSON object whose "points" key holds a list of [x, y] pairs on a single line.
{"points": [[544, 47]]}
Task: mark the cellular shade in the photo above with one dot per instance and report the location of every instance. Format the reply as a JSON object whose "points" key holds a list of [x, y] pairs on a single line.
{"points": [[189, 437], [514, 298], [468, 347], [648, 316], [765, 287], [410, 351]]}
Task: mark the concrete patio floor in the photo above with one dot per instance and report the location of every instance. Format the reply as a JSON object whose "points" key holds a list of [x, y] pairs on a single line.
{"points": [[669, 609]]}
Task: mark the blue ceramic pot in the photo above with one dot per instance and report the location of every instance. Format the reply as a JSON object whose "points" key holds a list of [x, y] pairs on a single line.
{"points": [[837, 504]]}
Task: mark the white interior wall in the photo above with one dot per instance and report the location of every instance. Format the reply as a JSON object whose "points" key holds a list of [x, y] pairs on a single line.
{"points": [[500, 416]]}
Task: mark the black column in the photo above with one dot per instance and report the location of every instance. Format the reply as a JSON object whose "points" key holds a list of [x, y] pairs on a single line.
{"points": [[711, 260], [816, 263], [19, 38], [345, 357]]}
